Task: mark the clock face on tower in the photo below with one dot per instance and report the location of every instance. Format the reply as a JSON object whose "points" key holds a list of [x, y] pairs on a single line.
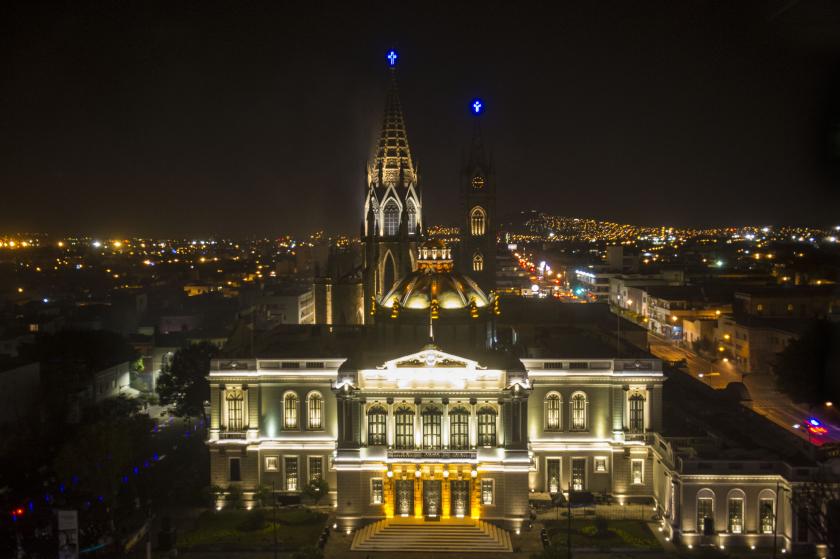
{"points": [[478, 182]]}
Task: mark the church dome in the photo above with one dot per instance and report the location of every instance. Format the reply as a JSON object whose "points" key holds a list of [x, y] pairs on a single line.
{"points": [[435, 280]]}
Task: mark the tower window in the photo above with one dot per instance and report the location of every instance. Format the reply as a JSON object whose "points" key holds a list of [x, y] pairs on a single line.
{"points": [[412, 217], [478, 262], [391, 218], [478, 221]]}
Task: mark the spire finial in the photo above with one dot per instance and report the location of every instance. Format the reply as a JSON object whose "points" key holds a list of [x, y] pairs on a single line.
{"points": [[392, 58]]}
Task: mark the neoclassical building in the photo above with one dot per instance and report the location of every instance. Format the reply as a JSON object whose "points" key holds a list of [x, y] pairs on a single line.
{"points": [[426, 413], [437, 435]]}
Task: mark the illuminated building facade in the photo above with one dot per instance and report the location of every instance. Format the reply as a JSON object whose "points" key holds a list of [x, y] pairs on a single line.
{"points": [[478, 209], [393, 210]]}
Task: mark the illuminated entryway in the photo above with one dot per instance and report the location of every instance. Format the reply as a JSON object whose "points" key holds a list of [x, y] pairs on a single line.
{"points": [[460, 498], [431, 498], [405, 497]]}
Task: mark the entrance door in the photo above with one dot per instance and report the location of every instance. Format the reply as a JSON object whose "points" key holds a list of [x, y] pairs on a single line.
{"points": [[431, 498], [405, 497], [460, 498]]}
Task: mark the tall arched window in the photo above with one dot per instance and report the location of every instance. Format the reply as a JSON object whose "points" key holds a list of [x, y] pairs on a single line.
{"points": [[552, 412], [478, 221], [478, 262], [404, 423], [486, 426], [578, 403], [706, 512], [431, 427], [391, 218], [315, 411], [459, 428], [637, 413], [235, 409], [377, 425], [735, 512], [767, 511], [290, 410], [412, 217]]}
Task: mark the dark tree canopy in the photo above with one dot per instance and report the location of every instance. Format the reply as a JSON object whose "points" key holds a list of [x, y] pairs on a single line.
{"points": [[185, 384], [807, 368]]}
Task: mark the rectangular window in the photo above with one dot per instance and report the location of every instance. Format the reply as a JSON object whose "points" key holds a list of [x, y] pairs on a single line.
{"points": [[486, 428], [404, 431], [272, 464], [637, 471], [766, 517], [316, 467], [377, 491], [377, 430], [736, 516], [600, 464], [578, 474], [487, 497], [705, 510], [235, 411], [637, 414], [234, 471], [459, 430], [552, 472], [291, 467], [431, 430]]}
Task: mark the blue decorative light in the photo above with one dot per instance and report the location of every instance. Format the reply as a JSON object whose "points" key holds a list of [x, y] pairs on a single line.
{"points": [[477, 106], [814, 422], [392, 58]]}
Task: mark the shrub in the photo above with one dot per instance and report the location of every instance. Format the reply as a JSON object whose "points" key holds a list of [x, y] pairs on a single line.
{"points": [[254, 520], [601, 526]]}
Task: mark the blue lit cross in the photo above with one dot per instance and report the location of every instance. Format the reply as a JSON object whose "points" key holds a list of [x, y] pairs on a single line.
{"points": [[392, 58], [477, 106]]}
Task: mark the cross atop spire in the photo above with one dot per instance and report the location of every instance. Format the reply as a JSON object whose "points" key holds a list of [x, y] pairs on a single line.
{"points": [[393, 154]]}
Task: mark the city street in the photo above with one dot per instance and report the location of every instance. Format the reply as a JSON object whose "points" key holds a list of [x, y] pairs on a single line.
{"points": [[766, 400]]}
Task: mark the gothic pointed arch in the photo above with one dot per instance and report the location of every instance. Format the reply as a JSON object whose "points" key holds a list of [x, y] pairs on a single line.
{"points": [[389, 271], [478, 221], [390, 218]]}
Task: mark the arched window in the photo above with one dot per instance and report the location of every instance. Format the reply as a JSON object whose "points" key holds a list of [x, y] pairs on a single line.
{"points": [[478, 262], [735, 512], [459, 428], [391, 218], [431, 427], [578, 421], [767, 511], [552, 412], [706, 512], [377, 425], [290, 410], [404, 423], [235, 409], [478, 221], [637, 413], [486, 426], [412, 217], [315, 410]]}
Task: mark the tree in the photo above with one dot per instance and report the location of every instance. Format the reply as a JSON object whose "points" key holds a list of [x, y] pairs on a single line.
{"points": [[803, 368], [316, 489], [817, 502], [185, 385]]}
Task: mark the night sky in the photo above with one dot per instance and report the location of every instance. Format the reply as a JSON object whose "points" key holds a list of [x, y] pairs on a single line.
{"points": [[249, 118]]}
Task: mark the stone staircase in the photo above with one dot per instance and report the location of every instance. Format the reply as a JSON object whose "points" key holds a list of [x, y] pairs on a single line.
{"points": [[454, 536]]}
